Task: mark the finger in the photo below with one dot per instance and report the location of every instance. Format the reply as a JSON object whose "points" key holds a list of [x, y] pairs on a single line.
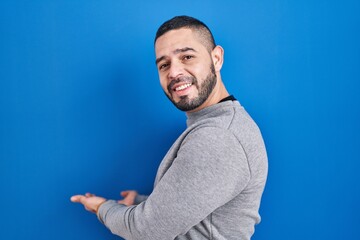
{"points": [[89, 195], [124, 193], [76, 198]]}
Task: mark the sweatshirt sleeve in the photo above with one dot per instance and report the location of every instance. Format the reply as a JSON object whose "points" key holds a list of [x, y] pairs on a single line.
{"points": [[210, 169], [140, 198]]}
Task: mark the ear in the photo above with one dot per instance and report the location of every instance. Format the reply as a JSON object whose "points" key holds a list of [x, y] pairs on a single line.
{"points": [[217, 55]]}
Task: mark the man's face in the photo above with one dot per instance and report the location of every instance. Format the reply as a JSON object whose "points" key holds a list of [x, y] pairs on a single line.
{"points": [[186, 69]]}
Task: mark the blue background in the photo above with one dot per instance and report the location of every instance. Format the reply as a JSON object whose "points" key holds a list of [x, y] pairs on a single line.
{"points": [[82, 109]]}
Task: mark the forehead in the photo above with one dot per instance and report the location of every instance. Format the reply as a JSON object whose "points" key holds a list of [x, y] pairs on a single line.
{"points": [[177, 39]]}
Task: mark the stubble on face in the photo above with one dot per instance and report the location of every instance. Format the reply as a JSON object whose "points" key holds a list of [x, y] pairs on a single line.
{"points": [[204, 90]]}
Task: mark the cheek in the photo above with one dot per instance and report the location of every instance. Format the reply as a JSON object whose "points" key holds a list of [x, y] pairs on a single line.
{"points": [[163, 83], [200, 73], [201, 69]]}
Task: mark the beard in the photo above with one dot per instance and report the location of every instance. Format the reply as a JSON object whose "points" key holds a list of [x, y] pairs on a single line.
{"points": [[204, 90]]}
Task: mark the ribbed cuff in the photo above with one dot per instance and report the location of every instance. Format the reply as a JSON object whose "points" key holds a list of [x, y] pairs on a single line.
{"points": [[103, 208]]}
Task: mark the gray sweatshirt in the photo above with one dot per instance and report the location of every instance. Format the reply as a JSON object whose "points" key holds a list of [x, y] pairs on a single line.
{"points": [[208, 186]]}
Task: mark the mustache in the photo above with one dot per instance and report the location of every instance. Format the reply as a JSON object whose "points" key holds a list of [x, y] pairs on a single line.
{"points": [[184, 79]]}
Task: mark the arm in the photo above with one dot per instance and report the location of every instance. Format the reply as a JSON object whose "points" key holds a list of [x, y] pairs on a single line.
{"points": [[209, 170]]}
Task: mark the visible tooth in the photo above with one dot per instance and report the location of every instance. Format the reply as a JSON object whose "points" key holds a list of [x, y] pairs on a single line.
{"points": [[183, 87]]}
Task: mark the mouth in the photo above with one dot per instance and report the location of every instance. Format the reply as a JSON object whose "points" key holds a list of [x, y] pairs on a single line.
{"points": [[181, 87]]}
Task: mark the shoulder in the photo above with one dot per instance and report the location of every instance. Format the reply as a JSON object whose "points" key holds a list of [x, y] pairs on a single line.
{"points": [[210, 140], [213, 148], [211, 134]]}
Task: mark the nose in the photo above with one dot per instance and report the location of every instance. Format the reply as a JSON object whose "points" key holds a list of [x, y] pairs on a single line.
{"points": [[175, 70]]}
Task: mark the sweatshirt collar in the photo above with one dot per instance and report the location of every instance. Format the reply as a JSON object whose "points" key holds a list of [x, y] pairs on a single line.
{"points": [[211, 111]]}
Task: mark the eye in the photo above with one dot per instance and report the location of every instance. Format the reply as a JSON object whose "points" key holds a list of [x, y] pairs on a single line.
{"points": [[163, 66], [188, 57]]}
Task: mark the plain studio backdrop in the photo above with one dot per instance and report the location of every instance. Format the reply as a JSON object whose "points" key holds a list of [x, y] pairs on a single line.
{"points": [[81, 109]]}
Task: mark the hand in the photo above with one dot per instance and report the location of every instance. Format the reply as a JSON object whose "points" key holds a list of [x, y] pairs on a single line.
{"points": [[129, 197], [90, 201]]}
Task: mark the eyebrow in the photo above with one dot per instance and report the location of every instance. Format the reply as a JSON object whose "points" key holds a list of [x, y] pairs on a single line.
{"points": [[176, 51]]}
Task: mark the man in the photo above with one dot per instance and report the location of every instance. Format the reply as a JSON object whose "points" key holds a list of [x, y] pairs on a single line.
{"points": [[210, 182]]}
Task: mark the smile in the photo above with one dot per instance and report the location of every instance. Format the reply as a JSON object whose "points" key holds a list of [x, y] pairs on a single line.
{"points": [[184, 86]]}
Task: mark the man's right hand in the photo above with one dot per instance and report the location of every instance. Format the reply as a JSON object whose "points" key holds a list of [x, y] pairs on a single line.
{"points": [[129, 197]]}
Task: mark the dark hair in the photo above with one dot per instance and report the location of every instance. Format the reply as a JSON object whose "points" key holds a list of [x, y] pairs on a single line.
{"points": [[188, 22]]}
